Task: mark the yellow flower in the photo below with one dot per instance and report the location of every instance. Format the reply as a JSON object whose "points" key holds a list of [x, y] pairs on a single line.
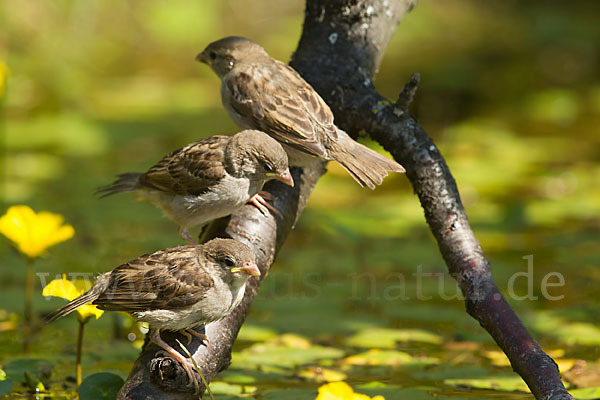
{"points": [[342, 391], [66, 289], [33, 233], [3, 78]]}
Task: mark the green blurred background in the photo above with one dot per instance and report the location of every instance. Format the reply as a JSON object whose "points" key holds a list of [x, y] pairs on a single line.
{"points": [[509, 91]]}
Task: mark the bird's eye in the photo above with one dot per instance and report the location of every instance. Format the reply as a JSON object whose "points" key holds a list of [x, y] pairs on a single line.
{"points": [[212, 55], [229, 262], [268, 167]]}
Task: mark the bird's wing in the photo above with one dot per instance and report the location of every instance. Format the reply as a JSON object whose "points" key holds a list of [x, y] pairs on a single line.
{"points": [[167, 279], [191, 170], [275, 99]]}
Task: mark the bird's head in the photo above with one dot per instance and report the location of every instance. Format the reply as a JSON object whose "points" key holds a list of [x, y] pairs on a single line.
{"points": [[224, 54], [257, 155], [234, 261]]}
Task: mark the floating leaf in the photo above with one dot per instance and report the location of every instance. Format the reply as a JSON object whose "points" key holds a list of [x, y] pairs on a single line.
{"points": [[445, 371], [5, 384], [589, 393], [236, 377], [16, 369], [389, 358], [101, 386], [285, 351], [219, 387], [511, 383], [569, 332], [394, 392], [256, 333], [5, 387], [387, 338], [289, 394], [321, 374]]}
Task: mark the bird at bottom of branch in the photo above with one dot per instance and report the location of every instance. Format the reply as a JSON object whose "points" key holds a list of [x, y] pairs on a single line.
{"points": [[175, 289], [262, 93], [210, 179]]}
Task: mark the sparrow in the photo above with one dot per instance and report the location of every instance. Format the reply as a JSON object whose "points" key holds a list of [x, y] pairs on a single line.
{"points": [[260, 92], [210, 178], [175, 289]]}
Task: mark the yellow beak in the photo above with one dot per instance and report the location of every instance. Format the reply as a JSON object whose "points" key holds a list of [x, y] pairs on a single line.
{"points": [[285, 177], [250, 268]]}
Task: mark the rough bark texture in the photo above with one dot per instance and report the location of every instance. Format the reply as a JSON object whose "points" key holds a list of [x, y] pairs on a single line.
{"points": [[342, 44]]}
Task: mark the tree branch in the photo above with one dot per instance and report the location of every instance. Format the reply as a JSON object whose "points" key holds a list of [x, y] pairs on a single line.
{"points": [[341, 47], [331, 69]]}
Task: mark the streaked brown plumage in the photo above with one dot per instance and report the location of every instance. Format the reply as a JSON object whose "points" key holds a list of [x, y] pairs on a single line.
{"points": [[174, 289], [210, 178], [262, 93]]}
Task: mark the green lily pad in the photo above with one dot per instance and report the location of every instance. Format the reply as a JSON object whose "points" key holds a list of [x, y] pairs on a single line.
{"points": [[391, 358], [255, 333], [393, 392], [219, 387], [5, 387], [283, 353], [387, 338], [589, 393], [445, 372], [510, 383], [16, 369], [571, 333], [236, 377], [101, 386], [289, 394], [321, 374]]}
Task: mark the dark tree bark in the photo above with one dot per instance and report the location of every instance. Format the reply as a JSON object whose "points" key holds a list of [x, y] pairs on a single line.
{"points": [[341, 47]]}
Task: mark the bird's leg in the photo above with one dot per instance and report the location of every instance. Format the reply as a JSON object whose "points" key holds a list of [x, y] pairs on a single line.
{"points": [[260, 201], [186, 236], [174, 354], [188, 332]]}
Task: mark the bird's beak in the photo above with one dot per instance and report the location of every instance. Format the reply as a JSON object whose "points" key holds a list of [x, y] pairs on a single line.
{"points": [[249, 268], [285, 177], [202, 58]]}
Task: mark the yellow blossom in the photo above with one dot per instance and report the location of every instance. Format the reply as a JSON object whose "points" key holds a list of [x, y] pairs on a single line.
{"points": [[3, 78], [342, 391], [66, 289], [31, 232]]}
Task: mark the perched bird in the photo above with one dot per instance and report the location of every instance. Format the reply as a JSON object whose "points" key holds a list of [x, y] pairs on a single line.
{"points": [[210, 178], [175, 289], [262, 93]]}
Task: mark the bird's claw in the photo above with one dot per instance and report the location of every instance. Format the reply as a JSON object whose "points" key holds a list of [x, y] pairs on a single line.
{"points": [[259, 200], [189, 332]]}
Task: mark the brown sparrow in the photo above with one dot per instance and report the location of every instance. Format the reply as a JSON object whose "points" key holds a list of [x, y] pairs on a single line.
{"points": [[262, 93], [175, 289], [210, 178]]}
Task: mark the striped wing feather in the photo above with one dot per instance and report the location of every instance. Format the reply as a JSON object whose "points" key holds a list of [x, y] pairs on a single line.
{"points": [[274, 98], [191, 170], [169, 279]]}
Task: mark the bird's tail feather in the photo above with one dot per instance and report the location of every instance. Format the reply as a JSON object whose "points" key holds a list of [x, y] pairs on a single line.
{"points": [[99, 287], [367, 166], [125, 183]]}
